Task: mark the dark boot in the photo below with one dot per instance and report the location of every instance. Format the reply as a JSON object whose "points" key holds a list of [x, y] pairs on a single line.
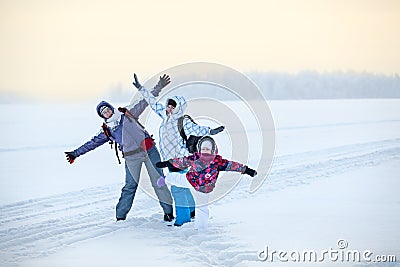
{"points": [[168, 217]]}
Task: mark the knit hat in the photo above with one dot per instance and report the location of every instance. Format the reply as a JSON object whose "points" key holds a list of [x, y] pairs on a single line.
{"points": [[102, 109], [101, 106]]}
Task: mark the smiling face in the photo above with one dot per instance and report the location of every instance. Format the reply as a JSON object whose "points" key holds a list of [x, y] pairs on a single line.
{"points": [[107, 112], [169, 109]]}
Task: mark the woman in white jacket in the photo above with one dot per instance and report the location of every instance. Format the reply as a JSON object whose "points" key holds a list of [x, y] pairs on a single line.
{"points": [[171, 143]]}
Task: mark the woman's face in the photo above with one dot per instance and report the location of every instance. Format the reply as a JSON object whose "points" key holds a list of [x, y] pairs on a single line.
{"points": [[169, 109], [107, 113]]}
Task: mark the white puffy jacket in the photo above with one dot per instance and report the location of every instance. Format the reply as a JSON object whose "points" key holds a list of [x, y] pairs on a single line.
{"points": [[171, 143]]}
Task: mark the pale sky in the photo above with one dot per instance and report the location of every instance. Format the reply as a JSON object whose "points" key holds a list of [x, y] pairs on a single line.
{"points": [[78, 49]]}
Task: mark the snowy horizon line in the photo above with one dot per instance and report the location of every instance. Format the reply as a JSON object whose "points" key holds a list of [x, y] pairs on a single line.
{"points": [[275, 85]]}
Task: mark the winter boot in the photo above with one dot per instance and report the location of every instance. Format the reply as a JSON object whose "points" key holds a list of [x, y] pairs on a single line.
{"points": [[168, 217]]}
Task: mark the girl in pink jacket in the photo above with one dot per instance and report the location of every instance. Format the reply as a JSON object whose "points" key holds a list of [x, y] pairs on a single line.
{"points": [[200, 171]]}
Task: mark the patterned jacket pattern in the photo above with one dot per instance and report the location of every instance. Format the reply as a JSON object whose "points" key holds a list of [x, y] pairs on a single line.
{"points": [[171, 143], [203, 171]]}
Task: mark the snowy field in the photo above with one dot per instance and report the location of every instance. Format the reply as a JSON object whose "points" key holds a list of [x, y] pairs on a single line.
{"points": [[335, 177]]}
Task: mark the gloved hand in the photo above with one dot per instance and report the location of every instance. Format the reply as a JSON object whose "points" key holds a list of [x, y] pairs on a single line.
{"points": [[161, 181], [171, 168], [126, 112], [123, 110], [217, 130], [70, 156], [163, 164], [250, 171], [136, 83], [164, 81]]}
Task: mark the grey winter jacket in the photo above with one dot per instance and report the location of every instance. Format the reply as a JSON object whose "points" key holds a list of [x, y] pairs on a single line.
{"points": [[125, 131]]}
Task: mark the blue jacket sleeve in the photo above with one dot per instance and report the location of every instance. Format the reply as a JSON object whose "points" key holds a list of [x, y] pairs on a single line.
{"points": [[95, 142]]}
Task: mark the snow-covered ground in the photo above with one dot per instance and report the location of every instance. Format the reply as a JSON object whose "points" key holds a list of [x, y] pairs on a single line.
{"points": [[335, 176]]}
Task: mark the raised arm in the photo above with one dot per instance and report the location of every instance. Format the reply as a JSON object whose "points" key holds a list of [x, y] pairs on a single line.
{"points": [[156, 106], [138, 108]]}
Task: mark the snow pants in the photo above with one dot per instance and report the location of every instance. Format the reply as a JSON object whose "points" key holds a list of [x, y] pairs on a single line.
{"points": [[202, 212], [184, 204], [132, 176]]}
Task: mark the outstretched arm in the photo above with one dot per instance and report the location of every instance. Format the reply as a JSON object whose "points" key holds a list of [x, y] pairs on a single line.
{"points": [[191, 128], [95, 142], [179, 163], [156, 106], [138, 108], [198, 130], [233, 166]]}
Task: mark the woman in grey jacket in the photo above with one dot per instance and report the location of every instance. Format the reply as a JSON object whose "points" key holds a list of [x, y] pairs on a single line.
{"points": [[138, 148]]}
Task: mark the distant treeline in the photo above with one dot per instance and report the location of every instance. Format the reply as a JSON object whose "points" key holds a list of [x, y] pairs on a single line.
{"points": [[274, 85], [316, 85], [302, 85]]}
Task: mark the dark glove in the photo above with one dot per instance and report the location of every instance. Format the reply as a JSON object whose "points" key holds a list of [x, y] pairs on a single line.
{"points": [[162, 164], [126, 112], [136, 83], [164, 81], [250, 171], [123, 110], [70, 156], [217, 130], [171, 168]]}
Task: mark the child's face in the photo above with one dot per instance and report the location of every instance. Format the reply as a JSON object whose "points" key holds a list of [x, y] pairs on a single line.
{"points": [[205, 150]]}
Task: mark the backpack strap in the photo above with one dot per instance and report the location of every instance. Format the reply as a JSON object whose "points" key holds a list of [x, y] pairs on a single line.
{"points": [[116, 153], [181, 128], [128, 114], [108, 134]]}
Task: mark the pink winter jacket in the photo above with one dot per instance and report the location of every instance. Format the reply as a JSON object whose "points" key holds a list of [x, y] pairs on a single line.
{"points": [[203, 170]]}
